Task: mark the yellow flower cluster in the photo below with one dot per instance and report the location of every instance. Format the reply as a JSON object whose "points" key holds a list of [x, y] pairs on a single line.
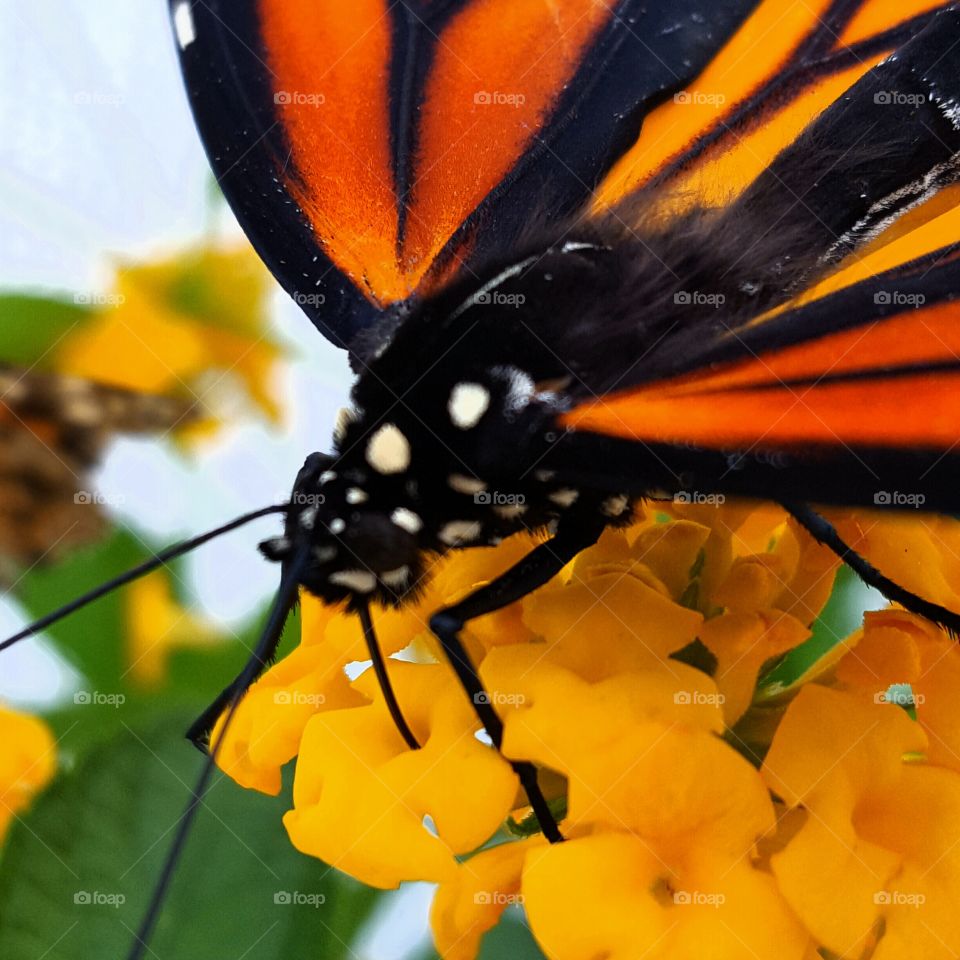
{"points": [[176, 328], [631, 681], [27, 763]]}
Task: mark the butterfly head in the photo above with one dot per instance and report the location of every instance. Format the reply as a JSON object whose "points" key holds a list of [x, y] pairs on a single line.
{"points": [[362, 540]]}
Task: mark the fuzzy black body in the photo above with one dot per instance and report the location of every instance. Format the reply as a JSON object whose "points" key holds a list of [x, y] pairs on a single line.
{"points": [[458, 453]]}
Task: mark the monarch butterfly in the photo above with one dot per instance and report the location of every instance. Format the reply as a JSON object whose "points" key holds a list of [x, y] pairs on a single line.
{"points": [[582, 253]]}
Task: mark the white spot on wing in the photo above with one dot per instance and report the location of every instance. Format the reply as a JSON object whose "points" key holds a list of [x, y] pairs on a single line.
{"points": [[355, 495], [467, 404], [406, 520], [360, 581], [510, 511], [615, 506], [464, 484], [566, 497], [395, 578], [183, 24], [458, 532], [388, 450]]}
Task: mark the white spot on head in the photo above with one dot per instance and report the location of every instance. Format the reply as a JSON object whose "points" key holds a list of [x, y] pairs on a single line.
{"points": [[355, 495], [395, 578], [327, 476], [520, 387], [566, 497], [345, 416], [464, 484], [388, 450], [406, 520], [510, 511], [615, 506], [458, 532], [183, 24], [467, 404], [360, 581], [337, 526], [308, 518]]}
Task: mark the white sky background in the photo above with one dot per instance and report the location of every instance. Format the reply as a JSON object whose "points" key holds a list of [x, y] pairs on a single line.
{"points": [[98, 158]]}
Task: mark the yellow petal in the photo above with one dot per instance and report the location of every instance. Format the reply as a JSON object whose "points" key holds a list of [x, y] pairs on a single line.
{"points": [[611, 895], [361, 795], [742, 644], [27, 762], [471, 902]]}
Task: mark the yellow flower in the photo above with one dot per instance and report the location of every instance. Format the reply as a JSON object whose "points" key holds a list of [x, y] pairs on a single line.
{"points": [[471, 901], [903, 659], [879, 849], [28, 762], [185, 327], [361, 795], [620, 680], [156, 625]]}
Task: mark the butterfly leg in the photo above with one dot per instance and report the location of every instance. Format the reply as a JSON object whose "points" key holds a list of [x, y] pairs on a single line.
{"points": [[533, 571], [824, 531]]}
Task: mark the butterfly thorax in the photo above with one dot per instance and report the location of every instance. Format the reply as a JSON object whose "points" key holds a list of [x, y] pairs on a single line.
{"points": [[427, 462]]}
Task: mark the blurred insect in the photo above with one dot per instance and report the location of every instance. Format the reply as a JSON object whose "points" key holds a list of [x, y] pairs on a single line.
{"points": [[583, 253], [53, 430]]}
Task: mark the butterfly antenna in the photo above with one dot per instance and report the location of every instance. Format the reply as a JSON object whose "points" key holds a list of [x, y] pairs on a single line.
{"points": [[284, 600], [158, 560], [380, 669]]}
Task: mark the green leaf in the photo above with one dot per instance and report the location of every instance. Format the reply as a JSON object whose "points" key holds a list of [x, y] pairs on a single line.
{"points": [[79, 868], [839, 618], [92, 638], [30, 327]]}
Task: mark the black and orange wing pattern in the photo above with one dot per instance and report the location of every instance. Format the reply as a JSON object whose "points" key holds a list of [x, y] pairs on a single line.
{"points": [[373, 149], [375, 152], [854, 383]]}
